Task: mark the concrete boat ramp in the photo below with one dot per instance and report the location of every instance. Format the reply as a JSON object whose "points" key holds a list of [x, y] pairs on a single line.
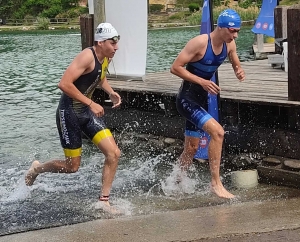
{"points": [[270, 220]]}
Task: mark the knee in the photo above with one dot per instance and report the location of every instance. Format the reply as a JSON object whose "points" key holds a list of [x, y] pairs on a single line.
{"points": [[113, 155], [73, 165], [73, 169], [218, 134]]}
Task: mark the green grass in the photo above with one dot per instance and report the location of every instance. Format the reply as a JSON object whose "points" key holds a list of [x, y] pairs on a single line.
{"points": [[289, 2]]}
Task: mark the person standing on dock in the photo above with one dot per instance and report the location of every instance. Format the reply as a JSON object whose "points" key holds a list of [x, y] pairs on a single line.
{"points": [[77, 113], [196, 65]]}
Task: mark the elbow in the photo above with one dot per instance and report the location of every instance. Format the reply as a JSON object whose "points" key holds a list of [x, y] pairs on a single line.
{"points": [[172, 70], [60, 86]]}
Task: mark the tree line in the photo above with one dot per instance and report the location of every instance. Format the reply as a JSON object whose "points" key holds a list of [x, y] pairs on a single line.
{"points": [[21, 9]]}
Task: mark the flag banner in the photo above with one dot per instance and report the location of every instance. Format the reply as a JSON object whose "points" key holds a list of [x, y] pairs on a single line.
{"points": [[130, 59], [213, 109], [265, 21]]}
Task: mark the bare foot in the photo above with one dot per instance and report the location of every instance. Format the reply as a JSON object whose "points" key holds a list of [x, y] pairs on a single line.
{"points": [[108, 208], [31, 173], [220, 191]]}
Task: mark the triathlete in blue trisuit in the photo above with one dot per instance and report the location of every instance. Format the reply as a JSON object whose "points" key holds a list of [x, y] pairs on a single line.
{"points": [[77, 113], [196, 64]]}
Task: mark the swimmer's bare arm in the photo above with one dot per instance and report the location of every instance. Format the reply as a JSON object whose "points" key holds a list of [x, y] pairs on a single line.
{"points": [[80, 65], [193, 51], [83, 63], [235, 62]]}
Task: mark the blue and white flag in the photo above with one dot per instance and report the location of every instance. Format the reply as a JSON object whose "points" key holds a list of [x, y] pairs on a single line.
{"points": [[265, 21], [213, 110]]}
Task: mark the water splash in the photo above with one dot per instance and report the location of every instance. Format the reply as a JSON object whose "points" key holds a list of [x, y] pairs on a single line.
{"points": [[124, 207], [21, 192], [178, 183]]}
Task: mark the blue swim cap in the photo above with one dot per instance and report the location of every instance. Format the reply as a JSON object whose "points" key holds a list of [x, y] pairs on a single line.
{"points": [[229, 19]]}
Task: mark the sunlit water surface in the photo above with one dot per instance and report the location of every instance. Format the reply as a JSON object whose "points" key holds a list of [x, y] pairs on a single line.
{"points": [[31, 65]]}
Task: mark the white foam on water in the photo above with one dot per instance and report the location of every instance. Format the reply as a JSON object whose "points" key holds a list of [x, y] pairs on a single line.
{"points": [[124, 207], [140, 170], [20, 192], [178, 183]]}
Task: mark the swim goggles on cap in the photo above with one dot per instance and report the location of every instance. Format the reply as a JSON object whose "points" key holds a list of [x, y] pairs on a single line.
{"points": [[115, 39]]}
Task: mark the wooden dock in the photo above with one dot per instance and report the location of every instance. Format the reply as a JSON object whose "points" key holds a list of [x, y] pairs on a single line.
{"points": [[263, 84], [267, 48], [256, 113]]}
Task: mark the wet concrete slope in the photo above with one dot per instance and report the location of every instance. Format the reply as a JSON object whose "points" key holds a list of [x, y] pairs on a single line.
{"points": [[215, 223]]}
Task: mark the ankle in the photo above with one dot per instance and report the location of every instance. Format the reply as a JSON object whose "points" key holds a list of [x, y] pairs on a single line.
{"points": [[104, 198]]}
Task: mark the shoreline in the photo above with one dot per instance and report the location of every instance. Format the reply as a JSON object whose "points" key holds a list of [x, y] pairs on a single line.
{"points": [[231, 222], [9, 28]]}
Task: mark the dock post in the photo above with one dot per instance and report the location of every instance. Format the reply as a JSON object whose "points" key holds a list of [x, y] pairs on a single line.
{"points": [[260, 43], [293, 33], [99, 12], [280, 25], [87, 30], [259, 39]]}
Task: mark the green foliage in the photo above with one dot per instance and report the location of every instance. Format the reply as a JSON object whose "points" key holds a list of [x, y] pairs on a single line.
{"points": [[51, 12], [245, 3], [155, 8], [29, 20], [195, 18], [182, 16], [246, 14], [258, 3], [43, 23], [226, 3], [193, 7], [20, 13], [18, 9], [8, 7], [186, 3], [289, 2]]}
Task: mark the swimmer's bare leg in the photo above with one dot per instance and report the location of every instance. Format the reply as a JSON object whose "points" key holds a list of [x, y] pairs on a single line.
{"points": [[31, 173], [69, 165], [216, 132], [105, 205], [112, 154]]}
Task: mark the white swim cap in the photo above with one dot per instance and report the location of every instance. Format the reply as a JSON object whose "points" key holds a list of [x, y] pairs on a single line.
{"points": [[105, 31]]}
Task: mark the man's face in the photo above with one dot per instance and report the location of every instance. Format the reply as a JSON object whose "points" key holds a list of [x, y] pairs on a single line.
{"points": [[109, 47], [230, 34]]}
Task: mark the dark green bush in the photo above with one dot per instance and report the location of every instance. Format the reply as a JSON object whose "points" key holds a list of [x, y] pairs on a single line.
{"points": [[216, 3], [51, 12], [193, 7], [155, 8], [245, 3]]}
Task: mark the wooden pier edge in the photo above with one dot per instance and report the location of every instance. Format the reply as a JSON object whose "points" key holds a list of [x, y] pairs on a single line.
{"points": [[256, 114]]}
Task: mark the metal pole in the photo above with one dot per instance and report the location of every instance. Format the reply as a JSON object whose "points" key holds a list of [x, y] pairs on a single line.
{"points": [[216, 73], [211, 15]]}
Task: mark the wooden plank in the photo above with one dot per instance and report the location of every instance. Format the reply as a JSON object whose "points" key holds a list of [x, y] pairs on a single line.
{"points": [[267, 48], [263, 84]]}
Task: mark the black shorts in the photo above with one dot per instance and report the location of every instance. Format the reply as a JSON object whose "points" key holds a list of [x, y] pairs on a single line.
{"points": [[71, 123]]}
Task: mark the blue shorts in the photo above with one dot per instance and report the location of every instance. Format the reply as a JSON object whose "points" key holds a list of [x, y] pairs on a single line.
{"points": [[193, 107]]}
